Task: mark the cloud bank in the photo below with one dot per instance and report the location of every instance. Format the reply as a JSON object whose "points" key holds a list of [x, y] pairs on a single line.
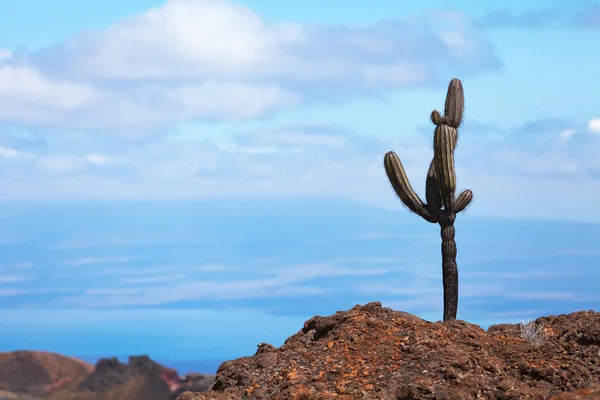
{"points": [[211, 59], [97, 116]]}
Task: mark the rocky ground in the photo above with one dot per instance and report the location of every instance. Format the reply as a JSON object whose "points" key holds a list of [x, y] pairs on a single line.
{"points": [[30, 375], [372, 352]]}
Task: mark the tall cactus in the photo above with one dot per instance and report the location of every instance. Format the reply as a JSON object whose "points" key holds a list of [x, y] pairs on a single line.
{"points": [[441, 204]]}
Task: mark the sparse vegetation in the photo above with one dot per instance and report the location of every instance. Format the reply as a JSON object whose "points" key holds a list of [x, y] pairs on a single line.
{"points": [[532, 333]]}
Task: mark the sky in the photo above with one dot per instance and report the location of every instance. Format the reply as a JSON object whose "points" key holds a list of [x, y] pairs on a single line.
{"points": [[190, 164]]}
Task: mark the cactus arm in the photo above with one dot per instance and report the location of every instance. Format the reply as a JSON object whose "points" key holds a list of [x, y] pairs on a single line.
{"points": [[455, 103], [463, 200], [443, 150], [432, 189], [400, 183]]}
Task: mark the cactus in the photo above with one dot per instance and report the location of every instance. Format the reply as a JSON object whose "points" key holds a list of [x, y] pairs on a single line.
{"points": [[440, 187]]}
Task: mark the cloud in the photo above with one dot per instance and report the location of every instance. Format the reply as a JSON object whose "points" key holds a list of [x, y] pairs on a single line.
{"points": [[389, 235], [559, 296], [12, 278], [27, 95], [8, 153], [5, 54], [311, 160], [589, 17], [594, 126], [428, 284], [97, 159], [59, 164], [578, 252], [216, 39], [518, 313], [375, 260], [567, 15], [528, 19], [11, 292], [130, 240], [246, 163], [153, 279], [285, 282], [23, 265], [549, 148], [523, 275], [567, 134], [79, 262], [135, 270], [211, 59]]}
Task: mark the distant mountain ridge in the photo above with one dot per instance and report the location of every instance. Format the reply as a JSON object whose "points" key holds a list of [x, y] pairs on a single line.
{"points": [[29, 375]]}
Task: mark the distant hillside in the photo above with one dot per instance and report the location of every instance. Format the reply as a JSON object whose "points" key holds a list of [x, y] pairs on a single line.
{"points": [[28, 375]]}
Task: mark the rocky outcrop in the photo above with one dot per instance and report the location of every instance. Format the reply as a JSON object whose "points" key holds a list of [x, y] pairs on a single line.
{"points": [[29, 375], [372, 352], [37, 372], [141, 379]]}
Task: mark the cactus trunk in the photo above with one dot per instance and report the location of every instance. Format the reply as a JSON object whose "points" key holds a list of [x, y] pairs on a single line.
{"points": [[449, 267]]}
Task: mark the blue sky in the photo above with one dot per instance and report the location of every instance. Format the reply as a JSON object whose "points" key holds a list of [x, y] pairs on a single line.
{"points": [[140, 140]]}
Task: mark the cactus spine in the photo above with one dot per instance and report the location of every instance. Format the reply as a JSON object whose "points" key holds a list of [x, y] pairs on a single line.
{"points": [[440, 187]]}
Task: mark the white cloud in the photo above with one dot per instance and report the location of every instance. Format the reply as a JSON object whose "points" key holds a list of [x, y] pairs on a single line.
{"points": [[59, 164], [285, 282], [523, 275], [234, 100], [12, 278], [98, 159], [5, 54], [207, 59], [578, 252], [376, 260], [136, 270], [562, 296], [128, 241], [79, 262], [11, 292], [183, 38], [27, 95], [594, 126], [153, 279], [388, 235], [8, 153], [24, 265], [309, 160], [567, 133], [400, 74]]}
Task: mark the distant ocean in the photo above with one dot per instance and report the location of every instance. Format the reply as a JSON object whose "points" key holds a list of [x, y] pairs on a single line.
{"points": [[192, 284]]}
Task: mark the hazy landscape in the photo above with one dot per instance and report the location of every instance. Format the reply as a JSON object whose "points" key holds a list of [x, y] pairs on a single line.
{"points": [[186, 179], [175, 280]]}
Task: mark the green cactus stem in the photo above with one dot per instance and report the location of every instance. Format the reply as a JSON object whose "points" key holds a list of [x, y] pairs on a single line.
{"points": [[400, 183], [443, 150], [433, 195], [440, 188], [455, 104], [462, 201], [449, 267]]}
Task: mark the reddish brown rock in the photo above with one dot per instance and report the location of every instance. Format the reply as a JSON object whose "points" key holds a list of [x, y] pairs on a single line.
{"points": [[372, 352], [29, 375], [39, 372]]}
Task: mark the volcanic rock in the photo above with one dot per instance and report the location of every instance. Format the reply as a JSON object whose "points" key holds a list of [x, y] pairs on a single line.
{"points": [[373, 352], [30, 375], [37, 372]]}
